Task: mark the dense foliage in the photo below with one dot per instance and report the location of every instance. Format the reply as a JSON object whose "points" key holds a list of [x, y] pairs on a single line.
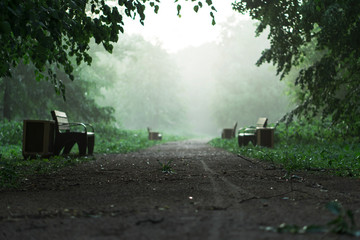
{"points": [[55, 35], [23, 98], [330, 84], [245, 92], [50, 33], [313, 146], [313, 43]]}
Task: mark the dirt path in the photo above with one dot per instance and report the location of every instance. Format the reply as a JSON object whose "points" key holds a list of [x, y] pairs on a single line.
{"points": [[212, 195]]}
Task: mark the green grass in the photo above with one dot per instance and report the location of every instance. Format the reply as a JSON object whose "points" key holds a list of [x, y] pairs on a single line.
{"points": [[14, 169], [305, 147], [114, 140], [166, 167]]}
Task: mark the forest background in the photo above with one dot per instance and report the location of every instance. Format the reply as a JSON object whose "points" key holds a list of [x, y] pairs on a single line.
{"points": [[197, 91], [133, 83]]}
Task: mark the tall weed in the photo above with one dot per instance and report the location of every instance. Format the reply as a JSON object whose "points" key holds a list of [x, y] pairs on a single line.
{"points": [[10, 132], [303, 145]]}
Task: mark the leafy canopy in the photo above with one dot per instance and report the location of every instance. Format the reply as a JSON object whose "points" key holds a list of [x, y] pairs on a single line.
{"points": [[329, 85], [56, 32]]}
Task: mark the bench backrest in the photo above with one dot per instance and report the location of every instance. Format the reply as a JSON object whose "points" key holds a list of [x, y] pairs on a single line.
{"points": [[61, 121], [262, 122], [234, 130]]}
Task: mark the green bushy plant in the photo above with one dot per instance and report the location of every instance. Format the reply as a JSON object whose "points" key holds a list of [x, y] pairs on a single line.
{"points": [[306, 145], [114, 140], [10, 132], [343, 223]]}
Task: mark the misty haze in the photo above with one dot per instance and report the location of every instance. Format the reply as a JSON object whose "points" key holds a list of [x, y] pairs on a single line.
{"points": [[197, 90], [202, 119]]}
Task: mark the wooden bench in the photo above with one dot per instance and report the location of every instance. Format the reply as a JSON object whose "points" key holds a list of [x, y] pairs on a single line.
{"points": [[228, 133], [65, 138], [265, 136], [250, 134], [154, 135]]}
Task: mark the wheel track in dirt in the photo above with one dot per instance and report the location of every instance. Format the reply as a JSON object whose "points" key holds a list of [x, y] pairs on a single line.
{"points": [[221, 186]]}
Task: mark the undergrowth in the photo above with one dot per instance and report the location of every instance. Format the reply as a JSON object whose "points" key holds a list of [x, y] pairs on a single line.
{"points": [[343, 223], [310, 146], [113, 140], [166, 167], [14, 169]]}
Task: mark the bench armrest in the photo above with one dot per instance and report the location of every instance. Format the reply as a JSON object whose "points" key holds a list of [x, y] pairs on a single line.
{"points": [[84, 125], [89, 125]]}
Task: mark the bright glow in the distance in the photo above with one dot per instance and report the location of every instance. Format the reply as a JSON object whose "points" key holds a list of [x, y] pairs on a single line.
{"points": [[174, 33]]}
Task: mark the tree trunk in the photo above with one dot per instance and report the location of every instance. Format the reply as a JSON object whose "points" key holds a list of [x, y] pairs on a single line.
{"points": [[7, 98]]}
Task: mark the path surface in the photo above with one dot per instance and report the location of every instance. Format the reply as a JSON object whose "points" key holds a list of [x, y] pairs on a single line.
{"points": [[212, 195]]}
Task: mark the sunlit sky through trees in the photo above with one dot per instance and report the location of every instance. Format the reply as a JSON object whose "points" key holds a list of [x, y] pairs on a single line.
{"points": [[174, 33], [184, 74]]}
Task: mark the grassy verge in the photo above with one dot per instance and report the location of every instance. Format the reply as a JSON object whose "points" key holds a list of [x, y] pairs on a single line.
{"points": [[114, 140], [305, 147], [14, 168]]}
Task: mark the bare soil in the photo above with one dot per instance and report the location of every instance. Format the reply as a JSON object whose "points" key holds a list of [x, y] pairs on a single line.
{"points": [[212, 194]]}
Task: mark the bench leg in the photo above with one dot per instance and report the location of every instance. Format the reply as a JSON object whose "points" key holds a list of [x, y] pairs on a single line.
{"points": [[67, 142], [57, 148], [82, 148], [68, 147], [82, 143], [91, 143], [59, 145], [240, 141]]}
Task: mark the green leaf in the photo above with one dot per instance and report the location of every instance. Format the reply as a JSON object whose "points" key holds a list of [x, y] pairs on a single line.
{"points": [[156, 9], [196, 8], [334, 207], [5, 27], [200, 4], [350, 214], [314, 229], [178, 9], [209, 2], [121, 2]]}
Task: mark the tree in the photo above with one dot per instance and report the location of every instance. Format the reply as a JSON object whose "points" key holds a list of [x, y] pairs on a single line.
{"points": [[330, 84], [51, 33], [222, 85], [245, 93], [23, 98], [142, 84]]}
